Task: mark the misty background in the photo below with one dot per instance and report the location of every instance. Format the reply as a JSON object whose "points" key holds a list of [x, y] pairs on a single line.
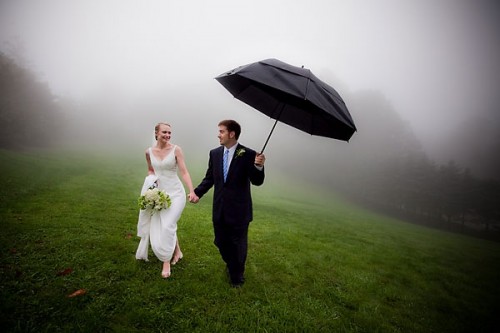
{"points": [[420, 79]]}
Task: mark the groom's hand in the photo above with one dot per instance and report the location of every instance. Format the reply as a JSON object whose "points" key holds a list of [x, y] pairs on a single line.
{"points": [[193, 198], [260, 159]]}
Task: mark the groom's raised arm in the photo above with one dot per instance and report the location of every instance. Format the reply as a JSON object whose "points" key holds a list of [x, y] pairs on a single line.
{"points": [[257, 171]]}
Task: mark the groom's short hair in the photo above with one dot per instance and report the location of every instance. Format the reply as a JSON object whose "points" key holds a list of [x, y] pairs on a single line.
{"points": [[232, 126]]}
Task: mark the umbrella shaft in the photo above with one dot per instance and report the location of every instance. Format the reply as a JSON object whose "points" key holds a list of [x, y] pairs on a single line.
{"points": [[272, 130], [265, 144]]}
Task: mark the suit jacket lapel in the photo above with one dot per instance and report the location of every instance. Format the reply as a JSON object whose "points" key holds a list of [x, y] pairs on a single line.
{"points": [[234, 160]]}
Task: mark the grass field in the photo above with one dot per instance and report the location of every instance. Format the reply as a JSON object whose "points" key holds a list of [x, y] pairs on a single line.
{"points": [[316, 263]]}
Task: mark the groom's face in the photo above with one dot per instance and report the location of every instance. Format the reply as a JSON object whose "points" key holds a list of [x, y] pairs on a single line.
{"points": [[225, 137]]}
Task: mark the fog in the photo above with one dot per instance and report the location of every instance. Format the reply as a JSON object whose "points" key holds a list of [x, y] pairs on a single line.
{"points": [[125, 65]]}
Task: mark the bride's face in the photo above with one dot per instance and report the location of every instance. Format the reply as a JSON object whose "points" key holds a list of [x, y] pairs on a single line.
{"points": [[164, 133]]}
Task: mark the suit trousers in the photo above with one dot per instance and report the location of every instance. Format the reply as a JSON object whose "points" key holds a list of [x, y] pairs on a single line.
{"points": [[232, 242]]}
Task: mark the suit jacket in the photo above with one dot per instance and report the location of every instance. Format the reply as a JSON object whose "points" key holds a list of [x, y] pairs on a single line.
{"points": [[232, 201]]}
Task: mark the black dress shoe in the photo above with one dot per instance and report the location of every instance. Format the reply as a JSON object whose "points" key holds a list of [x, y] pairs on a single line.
{"points": [[237, 284]]}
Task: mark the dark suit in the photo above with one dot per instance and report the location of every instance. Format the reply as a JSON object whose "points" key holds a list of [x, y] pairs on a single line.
{"points": [[232, 205]]}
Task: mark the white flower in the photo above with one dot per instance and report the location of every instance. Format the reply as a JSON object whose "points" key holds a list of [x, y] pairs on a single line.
{"points": [[152, 195], [240, 152], [154, 199]]}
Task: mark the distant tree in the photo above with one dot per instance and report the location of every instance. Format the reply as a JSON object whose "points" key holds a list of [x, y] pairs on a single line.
{"points": [[28, 111], [475, 144], [488, 203], [450, 188], [466, 195]]}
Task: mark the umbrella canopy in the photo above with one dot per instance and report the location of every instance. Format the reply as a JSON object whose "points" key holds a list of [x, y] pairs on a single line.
{"points": [[292, 95]]}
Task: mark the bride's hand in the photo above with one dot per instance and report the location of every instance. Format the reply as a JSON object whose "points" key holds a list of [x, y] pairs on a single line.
{"points": [[193, 198]]}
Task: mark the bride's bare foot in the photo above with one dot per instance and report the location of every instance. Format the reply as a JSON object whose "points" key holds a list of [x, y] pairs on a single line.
{"points": [[165, 273], [177, 256]]}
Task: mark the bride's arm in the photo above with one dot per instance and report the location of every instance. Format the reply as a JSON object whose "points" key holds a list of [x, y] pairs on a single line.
{"points": [[186, 177], [151, 171]]}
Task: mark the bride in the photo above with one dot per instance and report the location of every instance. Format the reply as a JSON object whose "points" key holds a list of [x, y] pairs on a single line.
{"points": [[160, 229]]}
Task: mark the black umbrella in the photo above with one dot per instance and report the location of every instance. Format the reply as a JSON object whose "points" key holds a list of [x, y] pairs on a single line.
{"points": [[292, 95]]}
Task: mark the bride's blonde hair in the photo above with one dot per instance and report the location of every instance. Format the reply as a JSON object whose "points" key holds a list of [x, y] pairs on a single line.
{"points": [[157, 128]]}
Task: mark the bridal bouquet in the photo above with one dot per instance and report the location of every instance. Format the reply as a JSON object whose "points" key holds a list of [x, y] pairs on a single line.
{"points": [[154, 199]]}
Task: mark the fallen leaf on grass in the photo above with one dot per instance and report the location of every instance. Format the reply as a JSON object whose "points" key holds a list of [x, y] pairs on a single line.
{"points": [[78, 293], [65, 272], [128, 236]]}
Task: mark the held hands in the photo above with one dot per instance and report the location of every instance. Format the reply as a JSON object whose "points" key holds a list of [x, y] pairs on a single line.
{"points": [[260, 159], [192, 197]]}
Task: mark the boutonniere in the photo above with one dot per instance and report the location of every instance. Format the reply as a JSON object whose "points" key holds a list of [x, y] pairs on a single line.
{"points": [[240, 152]]}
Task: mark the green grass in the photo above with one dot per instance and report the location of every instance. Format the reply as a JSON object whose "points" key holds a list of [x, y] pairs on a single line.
{"points": [[316, 263]]}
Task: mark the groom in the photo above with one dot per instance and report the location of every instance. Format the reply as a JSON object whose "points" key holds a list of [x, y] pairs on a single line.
{"points": [[231, 169]]}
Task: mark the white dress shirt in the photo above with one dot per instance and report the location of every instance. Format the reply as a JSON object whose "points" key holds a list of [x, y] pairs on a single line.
{"points": [[230, 155]]}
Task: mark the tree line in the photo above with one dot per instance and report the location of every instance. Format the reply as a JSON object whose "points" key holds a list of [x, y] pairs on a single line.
{"points": [[387, 169], [29, 114], [383, 167], [444, 196]]}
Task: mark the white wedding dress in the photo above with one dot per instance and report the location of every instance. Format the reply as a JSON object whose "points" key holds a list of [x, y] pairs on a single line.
{"points": [[160, 229]]}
